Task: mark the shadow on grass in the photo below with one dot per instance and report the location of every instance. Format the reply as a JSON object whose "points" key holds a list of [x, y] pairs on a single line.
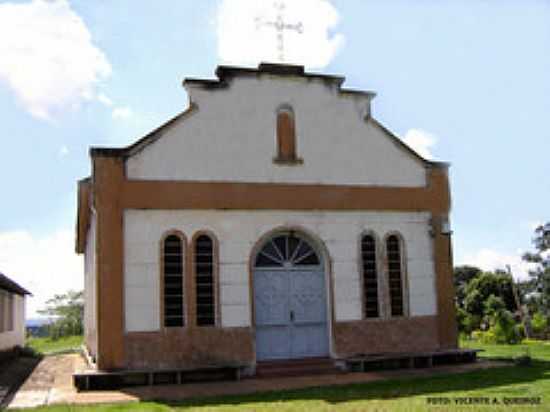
{"points": [[389, 389]]}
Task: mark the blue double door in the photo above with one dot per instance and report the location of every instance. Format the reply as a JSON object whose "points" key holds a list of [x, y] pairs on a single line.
{"points": [[290, 312]]}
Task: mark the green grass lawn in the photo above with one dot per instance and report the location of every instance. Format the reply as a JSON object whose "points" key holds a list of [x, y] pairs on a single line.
{"points": [[536, 349], [47, 346], [400, 395]]}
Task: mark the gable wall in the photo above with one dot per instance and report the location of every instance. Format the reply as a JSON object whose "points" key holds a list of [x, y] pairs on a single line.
{"points": [[237, 233], [231, 137]]}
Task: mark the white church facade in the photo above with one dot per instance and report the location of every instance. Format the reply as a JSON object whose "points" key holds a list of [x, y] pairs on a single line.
{"points": [[274, 219]]}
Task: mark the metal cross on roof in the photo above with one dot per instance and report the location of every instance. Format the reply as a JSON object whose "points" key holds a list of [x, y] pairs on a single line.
{"points": [[280, 26]]}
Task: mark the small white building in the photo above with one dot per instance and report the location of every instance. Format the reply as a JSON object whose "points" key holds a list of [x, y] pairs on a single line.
{"points": [[274, 219], [12, 314]]}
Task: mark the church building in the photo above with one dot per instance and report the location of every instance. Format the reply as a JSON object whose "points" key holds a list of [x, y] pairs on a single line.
{"points": [[275, 218]]}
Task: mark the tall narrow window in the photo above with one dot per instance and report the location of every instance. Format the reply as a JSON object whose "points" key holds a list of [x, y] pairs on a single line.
{"points": [[286, 135], [395, 275], [173, 281], [370, 276], [205, 281]]}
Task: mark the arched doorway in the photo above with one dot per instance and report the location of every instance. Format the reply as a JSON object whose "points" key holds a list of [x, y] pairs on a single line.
{"points": [[290, 299]]}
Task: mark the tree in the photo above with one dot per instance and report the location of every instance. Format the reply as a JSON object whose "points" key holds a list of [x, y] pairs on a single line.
{"points": [[68, 311], [540, 275], [494, 305], [462, 276], [480, 288]]}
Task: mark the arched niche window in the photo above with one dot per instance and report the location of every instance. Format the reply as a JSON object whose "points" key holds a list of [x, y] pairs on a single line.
{"points": [[204, 253], [395, 275], [370, 276], [286, 136], [173, 280]]}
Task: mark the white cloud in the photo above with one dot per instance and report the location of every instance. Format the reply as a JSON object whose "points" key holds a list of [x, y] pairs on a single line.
{"points": [[48, 57], [43, 265], [122, 112], [421, 142], [244, 36], [63, 151], [106, 100], [489, 259]]}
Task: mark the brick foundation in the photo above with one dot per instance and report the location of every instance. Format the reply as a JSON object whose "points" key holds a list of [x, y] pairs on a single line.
{"points": [[196, 347], [185, 348], [394, 335]]}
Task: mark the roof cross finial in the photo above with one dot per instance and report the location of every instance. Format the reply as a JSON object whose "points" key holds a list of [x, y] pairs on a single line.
{"points": [[280, 26]]}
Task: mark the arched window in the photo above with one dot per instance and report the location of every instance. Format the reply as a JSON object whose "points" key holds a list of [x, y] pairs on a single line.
{"points": [[370, 276], [287, 250], [395, 275], [205, 280], [173, 282], [286, 135]]}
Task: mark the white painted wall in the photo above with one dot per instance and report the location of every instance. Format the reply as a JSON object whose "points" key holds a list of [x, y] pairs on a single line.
{"points": [[238, 231], [15, 337], [90, 296], [232, 138]]}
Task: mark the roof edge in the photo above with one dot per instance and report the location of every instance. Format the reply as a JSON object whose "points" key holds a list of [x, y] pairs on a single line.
{"points": [[144, 141], [225, 73], [11, 286], [407, 148]]}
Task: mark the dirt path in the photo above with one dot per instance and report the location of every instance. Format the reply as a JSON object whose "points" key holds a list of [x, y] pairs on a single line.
{"points": [[52, 377]]}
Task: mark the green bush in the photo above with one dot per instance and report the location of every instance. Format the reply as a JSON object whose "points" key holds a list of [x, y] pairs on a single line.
{"points": [[539, 323], [467, 323], [476, 335], [460, 316], [504, 327], [486, 337], [502, 330]]}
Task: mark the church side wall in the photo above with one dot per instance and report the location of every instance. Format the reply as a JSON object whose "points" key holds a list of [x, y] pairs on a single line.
{"points": [[90, 290], [238, 233]]}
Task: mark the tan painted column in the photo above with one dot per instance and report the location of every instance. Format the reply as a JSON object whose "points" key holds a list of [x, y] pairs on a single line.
{"points": [[446, 312], [108, 179], [443, 258]]}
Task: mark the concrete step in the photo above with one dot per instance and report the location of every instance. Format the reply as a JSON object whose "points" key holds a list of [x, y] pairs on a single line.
{"points": [[298, 367]]}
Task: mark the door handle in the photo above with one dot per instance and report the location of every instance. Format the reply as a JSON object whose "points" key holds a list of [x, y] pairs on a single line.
{"points": [[292, 316]]}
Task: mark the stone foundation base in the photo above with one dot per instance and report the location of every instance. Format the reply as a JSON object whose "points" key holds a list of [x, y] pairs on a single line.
{"points": [[208, 346], [414, 334], [188, 348]]}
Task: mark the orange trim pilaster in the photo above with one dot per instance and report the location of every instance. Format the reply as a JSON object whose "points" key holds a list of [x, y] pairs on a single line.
{"points": [[446, 312], [108, 181]]}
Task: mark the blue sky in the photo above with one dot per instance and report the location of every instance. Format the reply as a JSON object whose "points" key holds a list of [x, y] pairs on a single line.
{"points": [[466, 80]]}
